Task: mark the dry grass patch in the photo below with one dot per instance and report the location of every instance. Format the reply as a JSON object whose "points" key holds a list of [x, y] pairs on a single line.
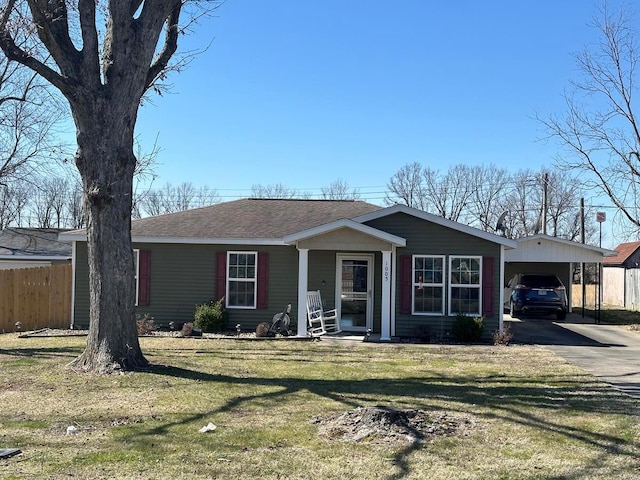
{"points": [[533, 416]]}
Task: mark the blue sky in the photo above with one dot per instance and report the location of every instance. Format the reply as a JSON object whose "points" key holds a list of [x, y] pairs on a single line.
{"points": [[305, 92]]}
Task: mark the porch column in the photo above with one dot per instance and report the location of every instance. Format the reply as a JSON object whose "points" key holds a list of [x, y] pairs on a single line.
{"points": [[303, 276], [385, 328]]}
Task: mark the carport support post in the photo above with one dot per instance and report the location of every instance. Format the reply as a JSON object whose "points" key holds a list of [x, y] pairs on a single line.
{"points": [[303, 276]]}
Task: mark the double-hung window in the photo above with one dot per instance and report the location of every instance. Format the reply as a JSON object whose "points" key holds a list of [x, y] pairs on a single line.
{"points": [[242, 279], [428, 284], [465, 282]]}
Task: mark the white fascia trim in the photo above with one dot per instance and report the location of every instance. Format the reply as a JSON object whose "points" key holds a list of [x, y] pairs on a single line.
{"points": [[606, 252], [35, 257], [345, 223], [76, 235], [507, 242]]}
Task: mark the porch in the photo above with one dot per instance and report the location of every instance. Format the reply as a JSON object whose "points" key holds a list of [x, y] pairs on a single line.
{"points": [[353, 265]]}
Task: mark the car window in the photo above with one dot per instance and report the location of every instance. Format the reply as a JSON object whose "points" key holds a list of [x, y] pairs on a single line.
{"points": [[541, 281]]}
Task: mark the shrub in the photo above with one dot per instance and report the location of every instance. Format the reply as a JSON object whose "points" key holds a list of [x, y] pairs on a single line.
{"points": [[211, 317], [504, 337], [422, 333], [468, 329], [145, 324]]}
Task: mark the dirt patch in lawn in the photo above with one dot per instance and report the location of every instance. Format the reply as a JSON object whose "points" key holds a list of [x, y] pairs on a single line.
{"points": [[389, 426]]}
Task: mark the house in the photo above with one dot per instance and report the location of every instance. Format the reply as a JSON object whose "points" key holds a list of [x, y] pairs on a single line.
{"points": [[389, 270], [32, 247], [621, 277]]}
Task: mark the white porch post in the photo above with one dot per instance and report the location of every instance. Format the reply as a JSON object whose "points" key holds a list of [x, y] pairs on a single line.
{"points": [[385, 329], [303, 276]]}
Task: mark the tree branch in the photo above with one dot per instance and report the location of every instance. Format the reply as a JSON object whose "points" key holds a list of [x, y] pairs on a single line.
{"points": [[50, 17], [169, 48]]}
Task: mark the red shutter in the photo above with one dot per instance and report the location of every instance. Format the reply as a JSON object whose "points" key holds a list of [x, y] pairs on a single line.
{"points": [[144, 278], [221, 275], [487, 286], [263, 280], [406, 284]]}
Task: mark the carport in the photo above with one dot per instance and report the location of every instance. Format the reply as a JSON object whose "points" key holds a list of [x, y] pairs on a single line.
{"points": [[545, 254]]}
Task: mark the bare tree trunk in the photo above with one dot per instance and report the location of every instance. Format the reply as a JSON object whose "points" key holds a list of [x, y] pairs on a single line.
{"points": [[106, 162]]}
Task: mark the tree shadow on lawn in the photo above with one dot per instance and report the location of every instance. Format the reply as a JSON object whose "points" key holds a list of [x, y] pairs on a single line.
{"points": [[42, 352], [505, 398]]}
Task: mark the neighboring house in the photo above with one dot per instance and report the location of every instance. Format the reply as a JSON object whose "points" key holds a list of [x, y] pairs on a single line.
{"points": [[32, 247], [391, 270], [621, 277]]}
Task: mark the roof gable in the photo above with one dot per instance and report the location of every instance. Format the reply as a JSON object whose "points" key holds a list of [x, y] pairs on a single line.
{"points": [[623, 252], [429, 217], [545, 248]]}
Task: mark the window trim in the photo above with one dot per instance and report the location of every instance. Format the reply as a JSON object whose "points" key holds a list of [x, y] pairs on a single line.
{"points": [[414, 283], [136, 273], [229, 280], [478, 286]]}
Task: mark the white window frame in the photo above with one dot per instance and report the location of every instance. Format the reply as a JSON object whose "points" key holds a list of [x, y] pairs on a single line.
{"points": [[415, 284], [247, 280], [477, 286], [136, 271]]}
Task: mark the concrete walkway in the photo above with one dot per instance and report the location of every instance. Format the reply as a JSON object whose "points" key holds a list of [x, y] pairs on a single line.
{"points": [[611, 353]]}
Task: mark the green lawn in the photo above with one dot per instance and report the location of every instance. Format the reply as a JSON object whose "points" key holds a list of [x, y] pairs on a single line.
{"points": [[537, 417]]}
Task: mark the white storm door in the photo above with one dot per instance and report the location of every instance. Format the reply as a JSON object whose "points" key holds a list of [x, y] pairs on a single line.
{"points": [[354, 291]]}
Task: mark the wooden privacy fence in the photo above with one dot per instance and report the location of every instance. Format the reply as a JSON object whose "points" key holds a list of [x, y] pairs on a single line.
{"points": [[35, 297]]}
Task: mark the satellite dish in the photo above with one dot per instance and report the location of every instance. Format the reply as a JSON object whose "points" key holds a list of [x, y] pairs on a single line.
{"points": [[500, 227]]}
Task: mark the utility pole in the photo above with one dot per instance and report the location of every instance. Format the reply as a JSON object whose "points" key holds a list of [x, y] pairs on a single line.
{"points": [[545, 183]]}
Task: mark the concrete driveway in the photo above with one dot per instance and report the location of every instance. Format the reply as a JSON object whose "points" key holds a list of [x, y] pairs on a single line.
{"points": [[611, 353]]}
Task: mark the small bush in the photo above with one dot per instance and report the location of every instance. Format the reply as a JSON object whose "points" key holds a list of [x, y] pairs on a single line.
{"points": [[468, 329], [211, 317], [145, 324], [504, 337], [422, 333]]}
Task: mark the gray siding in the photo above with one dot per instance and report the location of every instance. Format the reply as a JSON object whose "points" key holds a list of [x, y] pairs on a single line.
{"points": [[424, 238], [183, 276]]}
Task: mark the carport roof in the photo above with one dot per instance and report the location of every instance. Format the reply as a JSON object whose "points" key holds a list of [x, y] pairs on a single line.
{"points": [[544, 248]]}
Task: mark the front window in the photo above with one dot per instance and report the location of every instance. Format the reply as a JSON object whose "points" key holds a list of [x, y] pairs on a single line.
{"points": [[241, 279], [428, 285], [465, 276]]}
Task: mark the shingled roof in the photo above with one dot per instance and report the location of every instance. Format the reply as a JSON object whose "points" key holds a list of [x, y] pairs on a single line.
{"points": [[250, 219], [33, 242], [624, 250]]}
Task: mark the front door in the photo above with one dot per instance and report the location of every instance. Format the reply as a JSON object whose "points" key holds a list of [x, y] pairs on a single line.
{"points": [[354, 290]]}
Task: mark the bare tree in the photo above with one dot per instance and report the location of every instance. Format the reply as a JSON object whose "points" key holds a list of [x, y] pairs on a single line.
{"points": [[448, 194], [599, 130], [49, 201], [277, 191], [178, 198], [103, 56], [487, 201], [340, 190], [14, 198], [406, 187], [28, 115]]}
